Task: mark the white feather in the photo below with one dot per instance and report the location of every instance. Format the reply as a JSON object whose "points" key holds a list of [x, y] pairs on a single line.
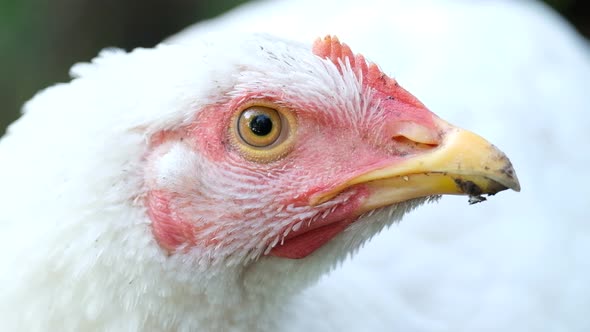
{"points": [[511, 71]]}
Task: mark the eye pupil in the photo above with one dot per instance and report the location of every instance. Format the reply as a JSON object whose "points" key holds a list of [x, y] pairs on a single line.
{"points": [[261, 133], [261, 125]]}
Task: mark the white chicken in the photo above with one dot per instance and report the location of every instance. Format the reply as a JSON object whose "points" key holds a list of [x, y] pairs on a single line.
{"points": [[513, 71], [150, 193]]}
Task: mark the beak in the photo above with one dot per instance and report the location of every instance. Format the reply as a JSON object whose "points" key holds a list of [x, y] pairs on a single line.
{"points": [[462, 164]]}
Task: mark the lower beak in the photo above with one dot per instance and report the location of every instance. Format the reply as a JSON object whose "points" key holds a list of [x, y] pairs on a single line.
{"points": [[462, 164]]}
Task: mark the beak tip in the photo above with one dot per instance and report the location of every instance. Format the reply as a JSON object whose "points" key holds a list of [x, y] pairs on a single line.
{"points": [[516, 186], [510, 176], [510, 182]]}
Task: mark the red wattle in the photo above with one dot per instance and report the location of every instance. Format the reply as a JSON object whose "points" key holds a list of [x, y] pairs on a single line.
{"points": [[303, 245]]}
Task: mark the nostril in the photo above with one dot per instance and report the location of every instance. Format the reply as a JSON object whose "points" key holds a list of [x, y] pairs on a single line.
{"points": [[404, 141], [410, 132]]}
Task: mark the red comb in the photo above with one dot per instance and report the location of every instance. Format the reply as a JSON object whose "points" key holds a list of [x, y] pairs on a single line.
{"points": [[332, 49]]}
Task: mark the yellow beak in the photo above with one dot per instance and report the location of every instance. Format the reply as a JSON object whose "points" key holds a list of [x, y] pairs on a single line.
{"points": [[462, 164]]}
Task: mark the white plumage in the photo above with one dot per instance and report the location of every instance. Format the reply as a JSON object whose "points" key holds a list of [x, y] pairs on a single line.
{"points": [[511, 71], [518, 74], [514, 72]]}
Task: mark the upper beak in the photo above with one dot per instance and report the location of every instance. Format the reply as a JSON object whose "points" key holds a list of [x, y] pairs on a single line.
{"points": [[462, 164]]}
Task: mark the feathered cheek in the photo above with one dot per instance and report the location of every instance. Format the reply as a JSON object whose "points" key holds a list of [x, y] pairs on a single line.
{"points": [[172, 232], [173, 166]]}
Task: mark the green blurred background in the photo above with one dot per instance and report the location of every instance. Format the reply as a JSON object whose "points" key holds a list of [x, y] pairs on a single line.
{"points": [[40, 40]]}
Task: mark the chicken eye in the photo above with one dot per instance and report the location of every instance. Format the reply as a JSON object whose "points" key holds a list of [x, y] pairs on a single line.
{"points": [[259, 126], [262, 131]]}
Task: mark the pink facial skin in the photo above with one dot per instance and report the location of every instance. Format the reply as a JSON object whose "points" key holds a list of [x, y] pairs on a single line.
{"points": [[270, 202]]}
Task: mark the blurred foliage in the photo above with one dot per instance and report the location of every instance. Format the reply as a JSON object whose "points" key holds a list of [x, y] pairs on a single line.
{"points": [[576, 11], [40, 40]]}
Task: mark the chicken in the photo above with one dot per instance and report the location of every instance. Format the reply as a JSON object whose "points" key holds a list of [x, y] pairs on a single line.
{"points": [[514, 72], [93, 246], [181, 195]]}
